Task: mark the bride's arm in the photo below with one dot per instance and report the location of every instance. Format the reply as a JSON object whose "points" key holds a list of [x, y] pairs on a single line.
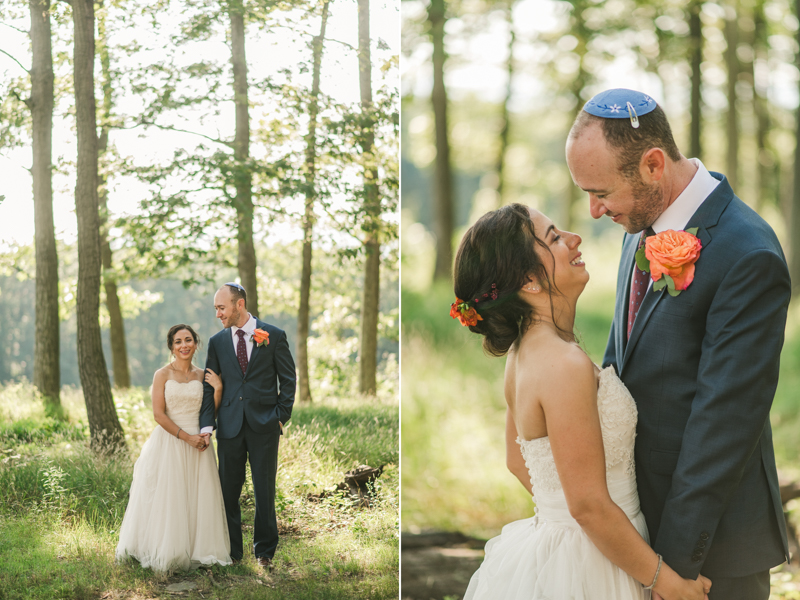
{"points": [[160, 413], [514, 460], [214, 381], [569, 401]]}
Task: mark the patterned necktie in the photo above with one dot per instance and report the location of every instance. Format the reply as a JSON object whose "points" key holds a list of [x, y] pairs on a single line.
{"points": [[241, 350], [638, 286]]}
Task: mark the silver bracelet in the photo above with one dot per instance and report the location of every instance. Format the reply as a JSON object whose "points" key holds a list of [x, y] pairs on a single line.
{"points": [[658, 570], [178, 435]]}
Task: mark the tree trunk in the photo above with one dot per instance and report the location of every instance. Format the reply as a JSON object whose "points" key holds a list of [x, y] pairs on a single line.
{"points": [[732, 117], [766, 180], [368, 350], [46, 366], [565, 209], [504, 116], [696, 58], [119, 352], [794, 224], [241, 152], [106, 432], [443, 199], [303, 388]]}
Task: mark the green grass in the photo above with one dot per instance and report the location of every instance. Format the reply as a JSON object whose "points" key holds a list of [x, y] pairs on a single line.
{"points": [[61, 507]]}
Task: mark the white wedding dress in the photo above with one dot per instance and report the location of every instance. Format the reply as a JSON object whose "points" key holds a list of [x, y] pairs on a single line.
{"points": [[175, 517], [548, 556]]}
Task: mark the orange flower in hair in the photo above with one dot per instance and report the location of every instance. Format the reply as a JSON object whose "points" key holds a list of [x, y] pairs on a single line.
{"points": [[465, 313]]}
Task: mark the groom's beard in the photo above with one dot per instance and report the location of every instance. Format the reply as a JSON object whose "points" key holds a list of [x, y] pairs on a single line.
{"points": [[648, 202]]}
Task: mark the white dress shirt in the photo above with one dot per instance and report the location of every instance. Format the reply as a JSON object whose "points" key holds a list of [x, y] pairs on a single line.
{"points": [[677, 215], [248, 329], [686, 204]]}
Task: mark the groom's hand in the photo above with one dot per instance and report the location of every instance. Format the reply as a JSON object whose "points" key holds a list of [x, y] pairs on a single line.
{"points": [[207, 438]]}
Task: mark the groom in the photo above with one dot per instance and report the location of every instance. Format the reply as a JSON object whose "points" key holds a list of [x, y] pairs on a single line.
{"points": [[258, 377], [702, 365]]}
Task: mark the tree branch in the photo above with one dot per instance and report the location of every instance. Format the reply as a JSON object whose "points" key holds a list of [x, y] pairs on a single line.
{"points": [[15, 28], [179, 130], [16, 95], [308, 33], [15, 60]]}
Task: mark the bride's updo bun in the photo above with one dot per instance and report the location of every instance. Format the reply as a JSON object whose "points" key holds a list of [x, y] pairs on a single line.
{"points": [[495, 259]]}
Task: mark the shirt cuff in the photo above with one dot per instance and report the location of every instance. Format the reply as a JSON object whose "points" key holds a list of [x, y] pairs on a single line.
{"points": [[207, 429]]}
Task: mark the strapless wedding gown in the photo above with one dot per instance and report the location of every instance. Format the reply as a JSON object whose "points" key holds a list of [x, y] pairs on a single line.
{"points": [[548, 556], [175, 517]]}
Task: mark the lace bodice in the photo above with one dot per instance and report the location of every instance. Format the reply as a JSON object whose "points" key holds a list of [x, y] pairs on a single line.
{"points": [[618, 416], [183, 399]]}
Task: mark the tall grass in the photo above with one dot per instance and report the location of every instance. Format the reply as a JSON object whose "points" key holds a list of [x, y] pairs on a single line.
{"points": [[61, 506]]}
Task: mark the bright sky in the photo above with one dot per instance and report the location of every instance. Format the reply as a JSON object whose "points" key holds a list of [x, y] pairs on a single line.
{"points": [[267, 53]]}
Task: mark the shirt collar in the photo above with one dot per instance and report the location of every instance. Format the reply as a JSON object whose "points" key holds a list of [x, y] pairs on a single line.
{"points": [[686, 204], [248, 327]]}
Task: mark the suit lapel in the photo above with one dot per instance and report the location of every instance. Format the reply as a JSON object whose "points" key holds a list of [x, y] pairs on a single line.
{"points": [[229, 353], [629, 248], [705, 218]]}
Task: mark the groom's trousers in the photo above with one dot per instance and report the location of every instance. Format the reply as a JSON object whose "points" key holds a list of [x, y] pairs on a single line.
{"points": [[752, 587], [262, 450]]}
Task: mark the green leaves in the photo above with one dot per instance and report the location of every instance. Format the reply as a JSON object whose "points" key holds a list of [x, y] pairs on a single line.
{"points": [[666, 282], [641, 260]]}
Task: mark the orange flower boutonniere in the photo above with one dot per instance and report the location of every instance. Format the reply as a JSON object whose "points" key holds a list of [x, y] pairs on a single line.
{"points": [[669, 257], [260, 337]]}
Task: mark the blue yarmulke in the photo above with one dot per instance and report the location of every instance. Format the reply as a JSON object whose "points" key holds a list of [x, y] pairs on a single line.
{"points": [[614, 104]]}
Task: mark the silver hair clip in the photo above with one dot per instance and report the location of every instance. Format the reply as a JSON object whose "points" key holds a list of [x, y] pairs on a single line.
{"points": [[633, 116]]}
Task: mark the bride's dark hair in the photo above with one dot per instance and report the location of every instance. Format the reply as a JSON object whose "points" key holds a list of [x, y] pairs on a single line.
{"points": [[495, 259]]}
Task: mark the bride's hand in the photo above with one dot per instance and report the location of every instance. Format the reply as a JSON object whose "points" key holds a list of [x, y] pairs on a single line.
{"points": [[213, 379], [689, 590], [196, 441]]}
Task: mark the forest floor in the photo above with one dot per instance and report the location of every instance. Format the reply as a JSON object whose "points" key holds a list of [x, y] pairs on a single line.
{"points": [[454, 478], [61, 508]]}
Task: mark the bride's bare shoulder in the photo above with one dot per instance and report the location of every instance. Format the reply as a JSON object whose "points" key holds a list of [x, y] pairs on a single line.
{"points": [[161, 375], [563, 371]]}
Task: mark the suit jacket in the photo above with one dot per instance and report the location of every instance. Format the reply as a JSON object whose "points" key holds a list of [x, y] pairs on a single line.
{"points": [[703, 368], [264, 393]]}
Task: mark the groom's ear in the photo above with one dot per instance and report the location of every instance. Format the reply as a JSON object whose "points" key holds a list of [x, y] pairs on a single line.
{"points": [[652, 165]]}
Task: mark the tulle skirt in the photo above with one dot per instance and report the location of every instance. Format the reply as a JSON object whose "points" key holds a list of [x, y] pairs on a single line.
{"points": [[175, 517], [549, 557]]}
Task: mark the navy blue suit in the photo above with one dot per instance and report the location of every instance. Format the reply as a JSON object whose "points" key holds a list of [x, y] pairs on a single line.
{"points": [[253, 405], [703, 368]]}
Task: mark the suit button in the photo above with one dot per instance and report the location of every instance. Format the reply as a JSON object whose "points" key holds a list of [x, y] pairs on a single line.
{"points": [[701, 544], [695, 558], [704, 536], [240, 397]]}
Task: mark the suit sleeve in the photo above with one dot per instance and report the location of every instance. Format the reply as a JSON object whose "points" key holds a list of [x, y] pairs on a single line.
{"points": [[610, 357], [207, 407], [287, 378], [737, 377]]}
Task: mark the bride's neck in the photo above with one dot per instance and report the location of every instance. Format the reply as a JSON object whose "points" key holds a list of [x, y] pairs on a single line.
{"points": [[183, 365], [560, 316]]}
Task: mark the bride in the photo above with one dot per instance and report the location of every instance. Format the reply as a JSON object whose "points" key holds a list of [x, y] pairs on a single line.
{"points": [[175, 517], [570, 426]]}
